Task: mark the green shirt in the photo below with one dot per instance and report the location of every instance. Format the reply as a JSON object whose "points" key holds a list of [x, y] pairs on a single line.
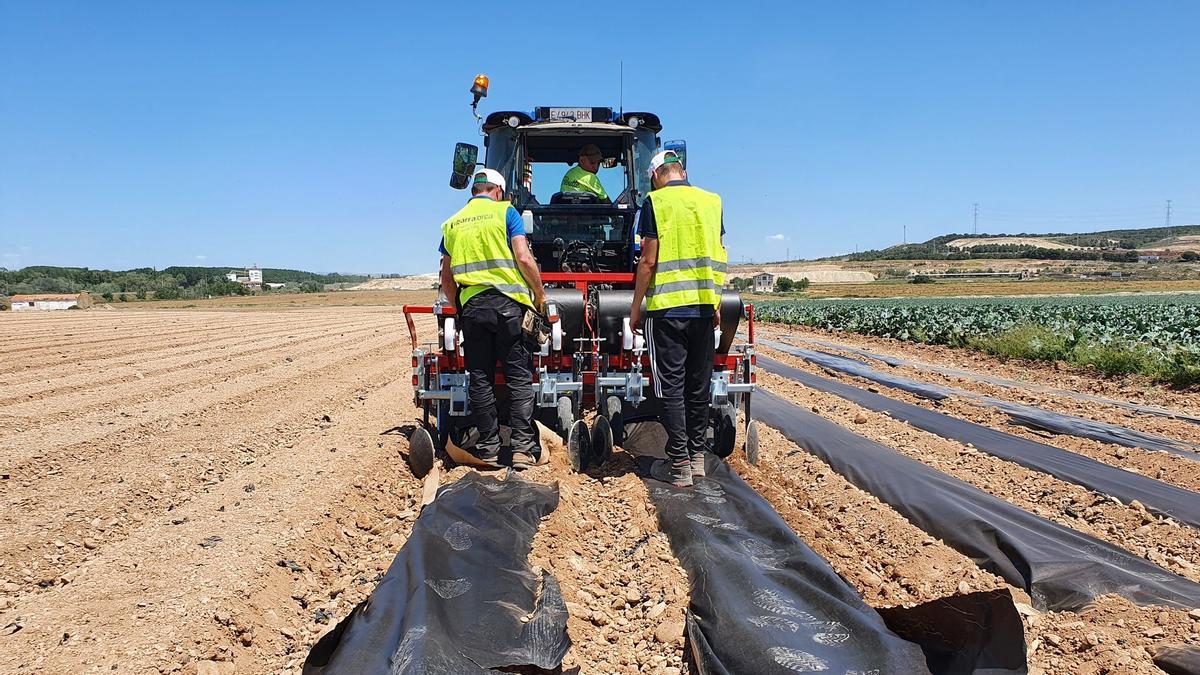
{"points": [[579, 179]]}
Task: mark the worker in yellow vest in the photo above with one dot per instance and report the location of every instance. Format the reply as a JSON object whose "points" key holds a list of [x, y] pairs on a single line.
{"points": [[582, 177], [680, 276], [493, 278]]}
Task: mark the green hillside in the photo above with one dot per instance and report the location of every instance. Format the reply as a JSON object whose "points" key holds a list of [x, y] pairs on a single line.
{"points": [[1107, 245]]}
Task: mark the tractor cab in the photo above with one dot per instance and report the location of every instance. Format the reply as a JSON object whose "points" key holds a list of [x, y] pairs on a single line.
{"points": [[571, 231]]}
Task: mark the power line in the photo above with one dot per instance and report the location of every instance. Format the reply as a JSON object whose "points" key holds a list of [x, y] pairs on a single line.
{"points": [[1168, 213], [975, 220]]}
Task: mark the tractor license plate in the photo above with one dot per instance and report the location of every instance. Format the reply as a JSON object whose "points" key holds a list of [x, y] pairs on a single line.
{"points": [[570, 114]]}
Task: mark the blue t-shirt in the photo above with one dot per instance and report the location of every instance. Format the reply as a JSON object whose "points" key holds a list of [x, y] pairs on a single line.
{"points": [[516, 226], [647, 227]]}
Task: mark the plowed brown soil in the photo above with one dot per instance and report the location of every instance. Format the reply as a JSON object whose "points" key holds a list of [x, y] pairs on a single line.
{"points": [[214, 489]]}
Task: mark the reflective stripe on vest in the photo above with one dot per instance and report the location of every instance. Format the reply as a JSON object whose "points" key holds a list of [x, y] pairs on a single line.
{"points": [[480, 255], [691, 258]]}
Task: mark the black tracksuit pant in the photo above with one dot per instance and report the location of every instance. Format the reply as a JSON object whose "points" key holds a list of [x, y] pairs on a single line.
{"points": [[491, 324], [681, 357]]}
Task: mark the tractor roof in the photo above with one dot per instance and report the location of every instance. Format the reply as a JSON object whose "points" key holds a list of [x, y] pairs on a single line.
{"points": [[592, 119]]}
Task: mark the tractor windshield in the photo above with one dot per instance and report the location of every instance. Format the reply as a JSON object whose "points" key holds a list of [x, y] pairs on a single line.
{"points": [[554, 153]]}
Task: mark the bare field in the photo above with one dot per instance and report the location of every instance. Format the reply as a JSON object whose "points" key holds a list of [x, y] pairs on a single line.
{"points": [[351, 298], [216, 487]]}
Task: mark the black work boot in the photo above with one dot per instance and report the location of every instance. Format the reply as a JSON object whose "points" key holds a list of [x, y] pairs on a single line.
{"points": [[677, 474]]}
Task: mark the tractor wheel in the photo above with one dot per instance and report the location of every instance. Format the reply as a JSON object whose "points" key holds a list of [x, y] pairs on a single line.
{"points": [[420, 452], [579, 446], [566, 416], [602, 440], [752, 442], [724, 430], [616, 420]]}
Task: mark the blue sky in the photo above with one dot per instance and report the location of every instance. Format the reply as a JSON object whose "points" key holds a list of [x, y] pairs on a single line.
{"points": [[318, 135]]}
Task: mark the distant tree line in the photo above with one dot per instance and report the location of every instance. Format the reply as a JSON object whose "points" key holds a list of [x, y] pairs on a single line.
{"points": [[171, 283]]}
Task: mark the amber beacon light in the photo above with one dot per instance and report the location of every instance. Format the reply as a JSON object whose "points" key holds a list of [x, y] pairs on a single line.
{"points": [[479, 88]]}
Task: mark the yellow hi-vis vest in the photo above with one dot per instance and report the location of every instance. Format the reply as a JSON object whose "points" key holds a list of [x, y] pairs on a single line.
{"points": [[691, 258], [579, 179], [480, 255]]}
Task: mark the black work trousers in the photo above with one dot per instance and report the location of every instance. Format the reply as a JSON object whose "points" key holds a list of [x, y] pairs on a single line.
{"points": [[491, 324], [681, 359]]}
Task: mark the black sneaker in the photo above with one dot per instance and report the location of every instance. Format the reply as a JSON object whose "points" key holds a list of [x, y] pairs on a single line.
{"points": [[664, 470]]}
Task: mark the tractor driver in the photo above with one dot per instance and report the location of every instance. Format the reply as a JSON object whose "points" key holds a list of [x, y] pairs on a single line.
{"points": [[582, 177], [488, 267], [680, 274]]}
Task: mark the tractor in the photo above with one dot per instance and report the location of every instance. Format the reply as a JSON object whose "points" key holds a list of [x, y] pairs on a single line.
{"points": [[587, 250]]}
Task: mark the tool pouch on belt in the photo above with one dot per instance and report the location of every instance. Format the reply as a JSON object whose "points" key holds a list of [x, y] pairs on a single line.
{"points": [[534, 328]]}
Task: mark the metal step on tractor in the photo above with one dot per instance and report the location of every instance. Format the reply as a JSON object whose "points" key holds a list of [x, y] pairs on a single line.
{"points": [[587, 250]]}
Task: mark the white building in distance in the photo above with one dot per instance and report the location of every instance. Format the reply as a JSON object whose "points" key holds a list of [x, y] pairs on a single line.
{"points": [[48, 301], [252, 277], [764, 282]]}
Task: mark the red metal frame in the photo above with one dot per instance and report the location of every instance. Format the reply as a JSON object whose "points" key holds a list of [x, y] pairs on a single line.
{"points": [[443, 361]]}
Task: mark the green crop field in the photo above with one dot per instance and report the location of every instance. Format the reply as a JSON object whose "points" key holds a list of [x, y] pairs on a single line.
{"points": [[1153, 335]]}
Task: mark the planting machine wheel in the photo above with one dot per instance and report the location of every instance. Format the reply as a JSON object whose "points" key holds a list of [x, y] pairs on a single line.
{"points": [[602, 440], [612, 410], [421, 452], [579, 446], [724, 430], [566, 416], [752, 442]]}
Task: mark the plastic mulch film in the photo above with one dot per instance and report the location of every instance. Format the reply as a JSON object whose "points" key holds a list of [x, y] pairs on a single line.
{"points": [[1060, 568], [1178, 659], [1030, 416], [895, 361], [1164, 498], [761, 601], [459, 597]]}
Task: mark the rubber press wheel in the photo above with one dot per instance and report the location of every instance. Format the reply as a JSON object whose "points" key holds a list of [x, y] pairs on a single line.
{"points": [[615, 419], [579, 446], [724, 430], [420, 452], [565, 413], [752, 442], [602, 440]]}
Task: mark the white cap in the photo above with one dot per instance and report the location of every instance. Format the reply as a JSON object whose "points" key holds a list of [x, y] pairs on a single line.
{"points": [[663, 157], [489, 176]]}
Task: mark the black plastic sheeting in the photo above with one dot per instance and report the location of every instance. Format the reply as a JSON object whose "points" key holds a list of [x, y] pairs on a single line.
{"points": [[763, 602], [1046, 420], [1178, 659], [978, 633], [455, 596], [1060, 568], [1169, 500], [895, 361]]}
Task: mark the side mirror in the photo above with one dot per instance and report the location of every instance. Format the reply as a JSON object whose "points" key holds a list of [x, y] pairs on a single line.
{"points": [[465, 156], [679, 148]]}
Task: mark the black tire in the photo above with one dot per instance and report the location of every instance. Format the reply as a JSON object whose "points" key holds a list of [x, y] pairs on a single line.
{"points": [[724, 430], [421, 452], [579, 446], [752, 442], [602, 440], [565, 414], [616, 420]]}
